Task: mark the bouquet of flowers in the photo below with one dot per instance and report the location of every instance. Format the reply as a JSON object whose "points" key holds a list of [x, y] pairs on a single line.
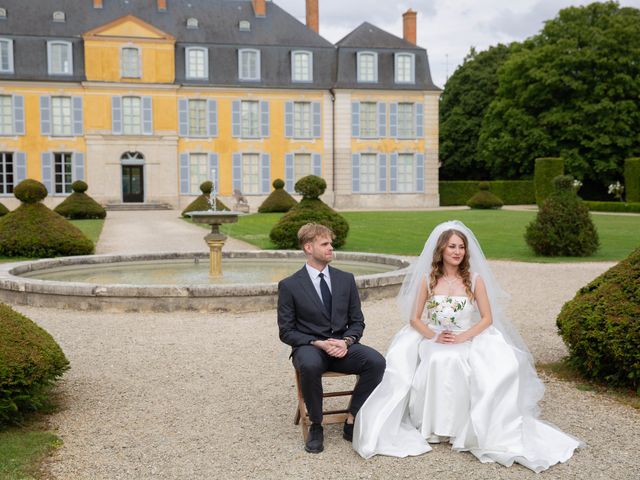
{"points": [[443, 312]]}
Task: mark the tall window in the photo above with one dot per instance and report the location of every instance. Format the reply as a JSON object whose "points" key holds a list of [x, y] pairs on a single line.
{"points": [[367, 67], [368, 172], [250, 119], [198, 171], [6, 55], [406, 120], [302, 166], [61, 116], [197, 118], [60, 58], [405, 68], [197, 63], [302, 119], [130, 62], [6, 173], [6, 115], [249, 64], [405, 173], [250, 173], [131, 116], [62, 178], [302, 70], [368, 119]]}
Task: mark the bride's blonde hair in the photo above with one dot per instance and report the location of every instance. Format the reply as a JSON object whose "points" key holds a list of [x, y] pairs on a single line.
{"points": [[437, 264]]}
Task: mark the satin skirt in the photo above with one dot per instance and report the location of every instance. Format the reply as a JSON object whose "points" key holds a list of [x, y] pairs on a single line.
{"points": [[466, 394]]}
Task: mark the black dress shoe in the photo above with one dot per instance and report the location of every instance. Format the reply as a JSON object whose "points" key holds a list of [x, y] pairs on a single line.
{"points": [[347, 431], [315, 439]]}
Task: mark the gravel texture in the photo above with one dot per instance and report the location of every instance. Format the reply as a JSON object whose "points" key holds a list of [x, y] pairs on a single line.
{"points": [[195, 396]]}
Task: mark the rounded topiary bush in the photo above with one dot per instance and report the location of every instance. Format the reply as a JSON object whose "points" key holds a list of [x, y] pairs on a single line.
{"points": [[202, 201], [30, 361], [563, 226], [601, 326], [279, 200], [3, 210], [310, 210], [484, 199], [32, 230], [79, 205]]}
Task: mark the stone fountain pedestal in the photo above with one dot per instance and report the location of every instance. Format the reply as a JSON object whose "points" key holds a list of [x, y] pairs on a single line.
{"points": [[214, 239]]}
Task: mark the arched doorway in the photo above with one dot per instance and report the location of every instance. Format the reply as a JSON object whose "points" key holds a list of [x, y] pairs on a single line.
{"points": [[132, 177]]}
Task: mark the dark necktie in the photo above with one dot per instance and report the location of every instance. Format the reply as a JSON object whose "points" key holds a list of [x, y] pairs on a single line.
{"points": [[326, 293]]}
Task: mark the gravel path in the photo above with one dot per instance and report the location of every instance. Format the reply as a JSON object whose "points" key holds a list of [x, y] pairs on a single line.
{"points": [[194, 396]]}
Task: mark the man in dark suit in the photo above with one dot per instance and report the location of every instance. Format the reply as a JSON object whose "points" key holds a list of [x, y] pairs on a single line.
{"points": [[319, 315]]}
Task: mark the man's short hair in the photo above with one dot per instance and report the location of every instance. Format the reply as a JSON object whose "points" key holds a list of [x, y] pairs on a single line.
{"points": [[309, 232]]}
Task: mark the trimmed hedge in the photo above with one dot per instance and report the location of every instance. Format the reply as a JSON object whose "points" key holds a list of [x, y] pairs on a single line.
{"points": [[279, 200], [202, 201], [484, 199], [79, 205], [601, 326], [3, 210], [511, 192], [545, 170], [613, 206], [30, 361], [632, 179]]}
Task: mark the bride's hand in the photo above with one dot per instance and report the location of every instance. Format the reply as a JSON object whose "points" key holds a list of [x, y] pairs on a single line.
{"points": [[444, 337]]}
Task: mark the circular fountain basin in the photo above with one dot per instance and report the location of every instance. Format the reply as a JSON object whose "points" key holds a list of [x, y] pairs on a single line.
{"points": [[180, 281]]}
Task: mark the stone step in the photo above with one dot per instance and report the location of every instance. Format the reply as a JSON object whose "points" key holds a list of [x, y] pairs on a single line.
{"points": [[137, 206]]}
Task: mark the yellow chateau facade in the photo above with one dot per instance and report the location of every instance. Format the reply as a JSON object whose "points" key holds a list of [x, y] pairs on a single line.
{"points": [[138, 134]]}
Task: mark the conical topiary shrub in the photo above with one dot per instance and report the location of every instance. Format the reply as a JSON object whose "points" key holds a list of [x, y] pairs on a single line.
{"points": [[32, 230], [202, 201], [279, 200], [601, 326], [563, 225], [3, 210], [484, 199], [79, 205], [310, 209]]}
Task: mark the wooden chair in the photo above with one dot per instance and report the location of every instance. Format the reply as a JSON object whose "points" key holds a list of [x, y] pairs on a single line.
{"points": [[328, 416]]}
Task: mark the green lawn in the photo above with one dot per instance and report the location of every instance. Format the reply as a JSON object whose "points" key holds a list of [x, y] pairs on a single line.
{"points": [[22, 450], [91, 228], [499, 231]]}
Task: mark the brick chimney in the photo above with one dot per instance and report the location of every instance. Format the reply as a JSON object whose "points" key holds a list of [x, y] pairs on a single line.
{"points": [[409, 26], [312, 15], [162, 5], [97, 3], [259, 7]]}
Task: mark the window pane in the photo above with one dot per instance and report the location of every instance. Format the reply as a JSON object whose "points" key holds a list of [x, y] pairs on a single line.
{"points": [[6, 115], [406, 120], [6, 172], [197, 118], [404, 68], [4, 55], [61, 116], [250, 119], [366, 67], [249, 65], [405, 172], [302, 120], [301, 166], [62, 172], [60, 58], [131, 116], [196, 63], [368, 119], [302, 67], [368, 172], [130, 62], [198, 166], [250, 173]]}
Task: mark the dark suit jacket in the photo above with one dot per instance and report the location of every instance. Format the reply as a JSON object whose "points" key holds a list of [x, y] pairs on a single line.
{"points": [[302, 316]]}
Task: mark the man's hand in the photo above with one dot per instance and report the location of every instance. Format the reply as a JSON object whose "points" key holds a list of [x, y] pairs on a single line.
{"points": [[333, 346]]}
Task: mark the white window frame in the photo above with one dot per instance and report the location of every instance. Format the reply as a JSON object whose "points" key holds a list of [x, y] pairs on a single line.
{"points": [[306, 76], [412, 67], [244, 26], [370, 184], [9, 46], [408, 185], [63, 187], [50, 45], [242, 75], [373, 132], [251, 187], [300, 122], [7, 159], [410, 118], [247, 124], [61, 123], [198, 171], [360, 76], [195, 122], [125, 124], [187, 63], [123, 72], [7, 117]]}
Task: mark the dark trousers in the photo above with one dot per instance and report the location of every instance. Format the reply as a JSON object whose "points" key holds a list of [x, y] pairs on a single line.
{"points": [[312, 362]]}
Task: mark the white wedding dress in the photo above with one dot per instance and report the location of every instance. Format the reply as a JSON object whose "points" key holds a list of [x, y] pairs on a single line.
{"points": [[468, 394]]}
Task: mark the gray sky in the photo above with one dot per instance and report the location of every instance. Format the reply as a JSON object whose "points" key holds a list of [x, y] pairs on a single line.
{"points": [[446, 28]]}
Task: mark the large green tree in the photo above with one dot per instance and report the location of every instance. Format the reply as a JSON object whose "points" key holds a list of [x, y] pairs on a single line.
{"points": [[571, 91], [465, 99]]}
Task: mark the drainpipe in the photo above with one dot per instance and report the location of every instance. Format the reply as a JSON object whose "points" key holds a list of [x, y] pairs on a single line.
{"points": [[333, 143]]}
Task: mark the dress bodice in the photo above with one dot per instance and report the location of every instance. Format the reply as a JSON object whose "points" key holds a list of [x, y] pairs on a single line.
{"points": [[452, 312]]}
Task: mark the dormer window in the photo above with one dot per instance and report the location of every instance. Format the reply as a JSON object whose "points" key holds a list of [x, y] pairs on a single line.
{"points": [[249, 64], [367, 67], [3, 13], [192, 23], [244, 25], [6, 55], [197, 63], [301, 66], [59, 58], [405, 68], [59, 17]]}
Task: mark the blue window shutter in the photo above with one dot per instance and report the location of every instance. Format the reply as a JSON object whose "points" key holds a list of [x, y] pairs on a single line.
{"points": [[236, 171], [47, 170], [419, 120], [116, 115], [78, 166], [382, 172], [212, 117], [21, 168], [213, 165], [266, 173], [235, 118], [264, 120], [18, 115], [78, 117], [288, 119], [288, 172], [419, 172], [382, 119], [184, 173], [355, 119], [183, 117], [393, 173], [317, 164], [393, 120], [45, 115], [317, 119], [147, 116], [355, 172]]}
